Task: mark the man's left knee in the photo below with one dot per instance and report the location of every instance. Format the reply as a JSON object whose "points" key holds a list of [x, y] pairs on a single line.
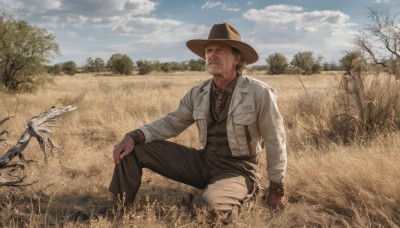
{"points": [[223, 194]]}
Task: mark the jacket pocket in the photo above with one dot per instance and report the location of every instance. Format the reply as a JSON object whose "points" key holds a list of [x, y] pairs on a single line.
{"points": [[246, 132], [200, 119], [245, 119]]}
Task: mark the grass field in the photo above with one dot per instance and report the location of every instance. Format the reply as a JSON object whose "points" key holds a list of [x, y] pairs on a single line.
{"points": [[333, 185]]}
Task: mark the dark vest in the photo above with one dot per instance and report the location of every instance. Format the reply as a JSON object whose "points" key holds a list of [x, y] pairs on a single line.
{"points": [[217, 139]]}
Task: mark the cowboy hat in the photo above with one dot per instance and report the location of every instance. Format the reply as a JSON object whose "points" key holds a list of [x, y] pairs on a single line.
{"points": [[224, 33]]}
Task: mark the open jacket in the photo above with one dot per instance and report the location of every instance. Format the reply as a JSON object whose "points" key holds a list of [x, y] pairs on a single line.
{"points": [[253, 122]]}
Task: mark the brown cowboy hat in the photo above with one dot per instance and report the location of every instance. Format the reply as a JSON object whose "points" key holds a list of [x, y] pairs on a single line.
{"points": [[224, 33]]}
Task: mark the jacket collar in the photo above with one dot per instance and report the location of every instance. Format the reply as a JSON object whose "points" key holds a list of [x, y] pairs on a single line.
{"points": [[237, 96], [241, 89], [241, 85]]}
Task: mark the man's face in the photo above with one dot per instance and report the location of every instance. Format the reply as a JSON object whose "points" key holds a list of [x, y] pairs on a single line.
{"points": [[220, 61]]}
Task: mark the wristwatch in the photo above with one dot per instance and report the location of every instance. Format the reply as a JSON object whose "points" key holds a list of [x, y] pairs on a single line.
{"points": [[276, 188]]}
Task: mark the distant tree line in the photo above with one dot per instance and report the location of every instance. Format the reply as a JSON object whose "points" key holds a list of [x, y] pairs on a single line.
{"points": [[26, 50], [302, 63], [123, 65]]}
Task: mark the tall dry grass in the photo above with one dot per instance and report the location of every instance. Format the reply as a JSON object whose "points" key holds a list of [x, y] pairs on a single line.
{"points": [[330, 185]]}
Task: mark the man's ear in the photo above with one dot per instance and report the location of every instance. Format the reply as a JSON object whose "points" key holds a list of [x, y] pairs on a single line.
{"points": [[237, 59]]}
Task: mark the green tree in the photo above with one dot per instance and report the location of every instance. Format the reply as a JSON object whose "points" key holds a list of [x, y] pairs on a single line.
{"points": [[144, 66], [306, 62], [347, 60], [24, 49], [175, 66], [96, 65], [155, 65], [69, 68], [196, 65], [332, 66], [166, 67], [56, 69], [277, 63], [120, 64]]}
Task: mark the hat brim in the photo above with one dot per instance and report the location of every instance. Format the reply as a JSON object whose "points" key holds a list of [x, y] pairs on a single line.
{"points": [[198, 47]]}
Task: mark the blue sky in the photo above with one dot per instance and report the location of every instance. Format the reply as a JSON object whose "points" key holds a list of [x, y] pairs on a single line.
{"points": [[159, 29]]}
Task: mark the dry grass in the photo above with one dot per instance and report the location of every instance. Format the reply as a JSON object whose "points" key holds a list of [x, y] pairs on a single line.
{"points": [[352, 186]]}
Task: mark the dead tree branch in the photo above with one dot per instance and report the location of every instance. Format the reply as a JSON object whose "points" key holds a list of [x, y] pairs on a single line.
{"points": [[37, 127], [4, 132], [380, 40]]}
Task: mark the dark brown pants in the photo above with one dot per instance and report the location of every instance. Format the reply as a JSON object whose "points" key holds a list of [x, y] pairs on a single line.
{"points": [[223, 187]]}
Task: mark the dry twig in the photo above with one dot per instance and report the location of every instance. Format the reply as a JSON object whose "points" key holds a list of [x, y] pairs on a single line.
{"points": [[4, 132]]}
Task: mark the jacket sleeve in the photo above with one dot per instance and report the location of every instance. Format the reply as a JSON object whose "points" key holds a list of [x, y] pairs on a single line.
{"points": [[273, 133], [173, 123]]}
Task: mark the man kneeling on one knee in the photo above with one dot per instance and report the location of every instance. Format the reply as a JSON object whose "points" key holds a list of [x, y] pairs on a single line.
{"points": [[236, 117]]}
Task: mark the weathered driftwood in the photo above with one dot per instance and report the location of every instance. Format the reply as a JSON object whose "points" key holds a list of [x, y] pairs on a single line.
{"points": [[37, 127]]}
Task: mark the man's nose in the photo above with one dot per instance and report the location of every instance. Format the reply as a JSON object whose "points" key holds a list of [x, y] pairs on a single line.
{"points": [[212, 53]]}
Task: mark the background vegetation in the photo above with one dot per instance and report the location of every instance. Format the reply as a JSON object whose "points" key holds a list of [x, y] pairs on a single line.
{"points": [[24, 49], [328, 183], [342, 122]]}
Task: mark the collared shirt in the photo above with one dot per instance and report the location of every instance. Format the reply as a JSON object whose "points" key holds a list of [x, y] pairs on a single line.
{"points": [[220, 99]]}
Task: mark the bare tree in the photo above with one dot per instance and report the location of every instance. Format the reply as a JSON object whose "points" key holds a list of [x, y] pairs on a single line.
{"points": [[380, 39]]}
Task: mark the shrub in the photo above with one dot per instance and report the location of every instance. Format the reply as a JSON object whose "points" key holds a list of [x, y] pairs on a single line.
{"points": [[306, 62], [361, 109], [94, 65], [144, 66], [277, 63], [348, 58], [69, 68], [366, 109], [196, 65], [56, 69], [120, 64]]}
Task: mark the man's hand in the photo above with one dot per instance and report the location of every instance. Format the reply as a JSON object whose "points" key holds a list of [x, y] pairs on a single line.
{"points": [[274, 201], [123, 148]]}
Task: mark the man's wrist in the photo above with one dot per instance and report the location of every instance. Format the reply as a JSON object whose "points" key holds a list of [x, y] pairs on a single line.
{"points": [[137, 136], [276, 188]]}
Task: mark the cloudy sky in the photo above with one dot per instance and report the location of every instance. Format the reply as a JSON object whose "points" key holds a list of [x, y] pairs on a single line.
{"points": [[159, 29]]}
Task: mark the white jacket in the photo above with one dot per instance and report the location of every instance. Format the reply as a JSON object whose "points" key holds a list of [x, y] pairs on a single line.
{"points": [[253, 108]]}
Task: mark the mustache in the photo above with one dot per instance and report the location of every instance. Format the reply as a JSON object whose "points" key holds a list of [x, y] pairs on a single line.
{"points": [[214, 61]]}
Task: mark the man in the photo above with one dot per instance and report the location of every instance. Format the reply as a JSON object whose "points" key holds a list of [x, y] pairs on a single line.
{"points": [[236, 116]]}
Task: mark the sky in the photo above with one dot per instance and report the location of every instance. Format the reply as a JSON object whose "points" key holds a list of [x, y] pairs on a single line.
{"points": [[157, 30]]}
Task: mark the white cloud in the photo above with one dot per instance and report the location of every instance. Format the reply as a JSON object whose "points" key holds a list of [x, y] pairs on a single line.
{"points": [[210, 5], [381, 1], [9, 6], [289, 29], [155, 31], [104, 27], [71, 34], [224, 6], [88, 13], [33, 5], [137, 25]]}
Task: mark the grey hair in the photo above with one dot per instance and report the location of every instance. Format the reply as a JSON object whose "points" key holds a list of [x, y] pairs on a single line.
{"points": [[241, 64]]}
